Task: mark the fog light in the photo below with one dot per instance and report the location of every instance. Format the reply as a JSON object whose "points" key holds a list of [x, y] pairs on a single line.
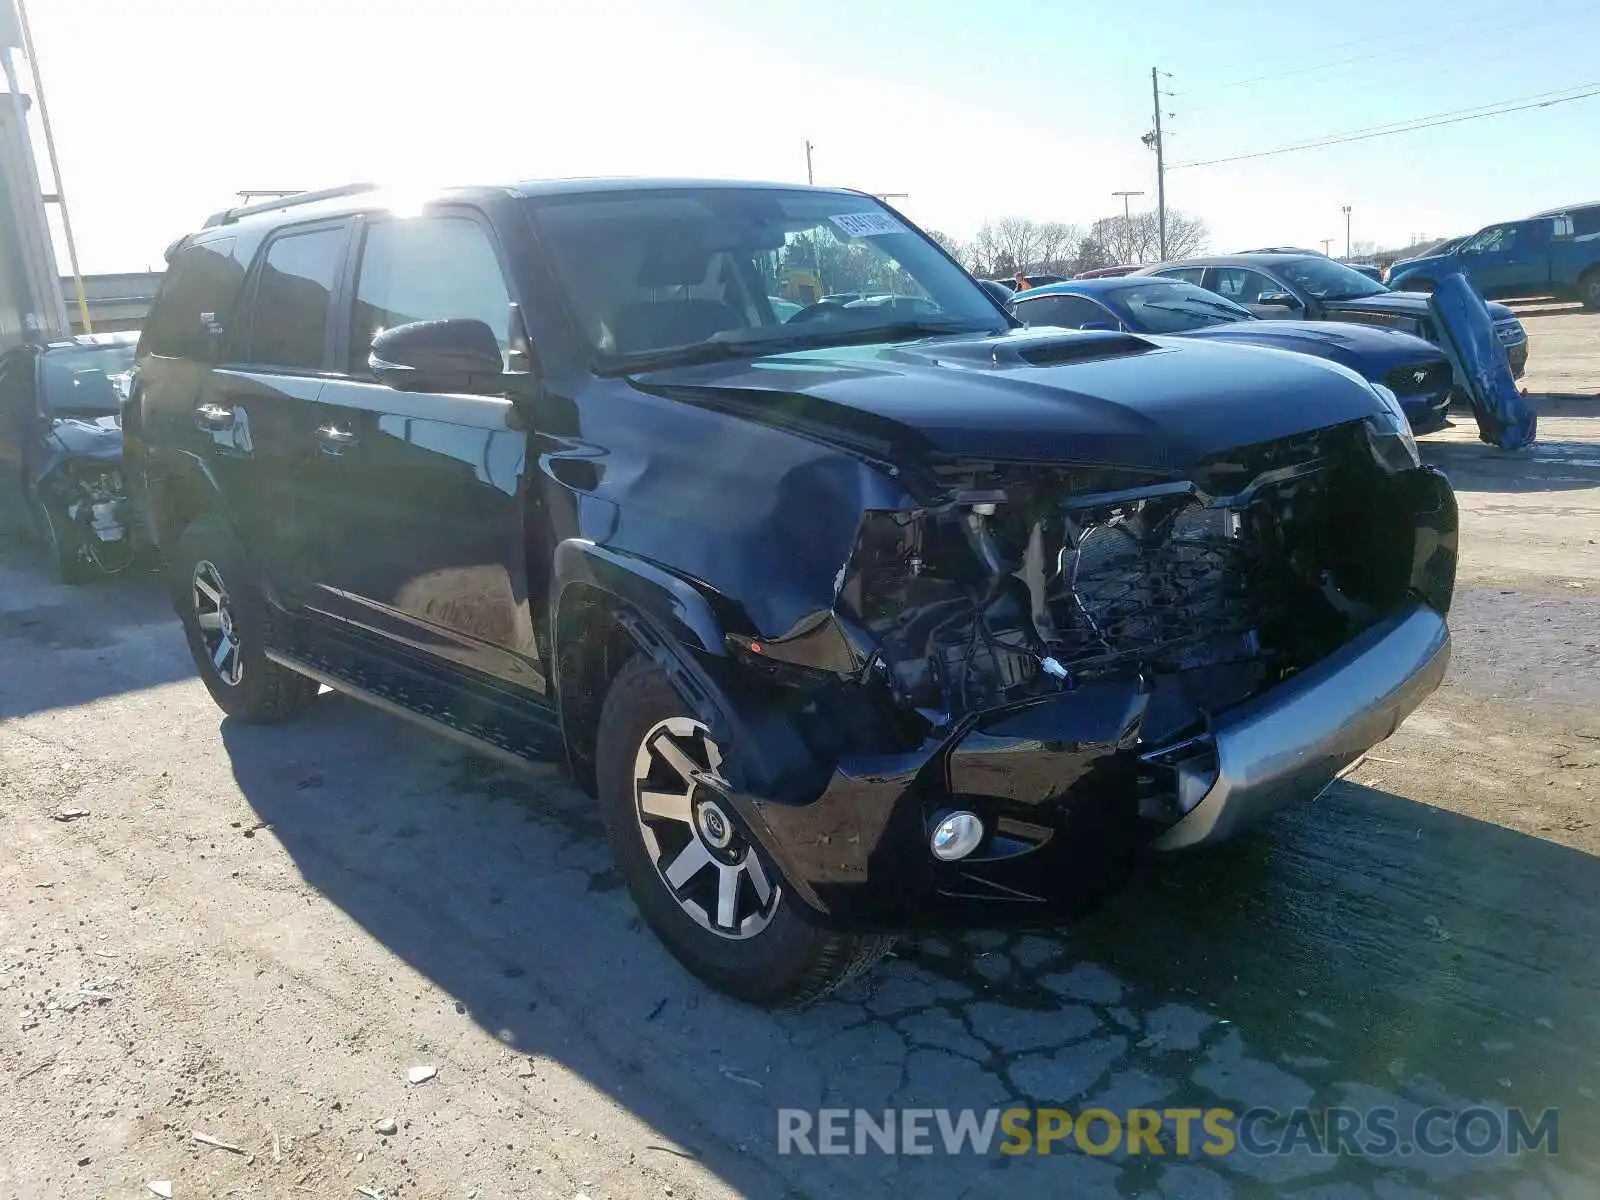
{"points": [[956, 836]]}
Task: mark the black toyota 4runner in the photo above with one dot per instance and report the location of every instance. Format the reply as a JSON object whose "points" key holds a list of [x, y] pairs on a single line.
{"points": [[883, 616]]}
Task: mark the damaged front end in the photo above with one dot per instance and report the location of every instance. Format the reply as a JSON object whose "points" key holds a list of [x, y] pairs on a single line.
{"points": [[1087, 661], [80, 484]]}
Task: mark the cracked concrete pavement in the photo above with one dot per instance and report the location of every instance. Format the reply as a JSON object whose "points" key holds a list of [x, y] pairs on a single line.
{"points": [[256, 933]]}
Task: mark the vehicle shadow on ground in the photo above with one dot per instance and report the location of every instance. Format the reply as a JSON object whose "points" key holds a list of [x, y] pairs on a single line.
{"points": [[1546, 466], [1364, 949], [73, 645]]}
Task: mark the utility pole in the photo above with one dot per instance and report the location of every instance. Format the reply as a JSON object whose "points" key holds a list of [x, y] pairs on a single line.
{"points": [[1161, 170], [1347, 233], [55, 166], [1326, 242], [809, 177], [1127, 221]]}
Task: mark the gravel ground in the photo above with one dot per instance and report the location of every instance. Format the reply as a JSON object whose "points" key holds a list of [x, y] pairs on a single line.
{"points": [[254, 936]]}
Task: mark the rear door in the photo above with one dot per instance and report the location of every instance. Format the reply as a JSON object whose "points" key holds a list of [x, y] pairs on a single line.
{"points": [[255, 412], [417, 499]]}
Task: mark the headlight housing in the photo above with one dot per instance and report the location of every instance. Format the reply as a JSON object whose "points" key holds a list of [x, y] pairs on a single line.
{"points": [[1393, 443]]}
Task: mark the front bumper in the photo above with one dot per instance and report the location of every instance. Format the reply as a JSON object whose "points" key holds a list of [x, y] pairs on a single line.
{"points": [[1056, 782], [1292, 741]]}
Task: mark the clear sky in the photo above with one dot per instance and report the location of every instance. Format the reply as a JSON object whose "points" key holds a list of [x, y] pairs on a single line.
{"points": [[165, 108]]}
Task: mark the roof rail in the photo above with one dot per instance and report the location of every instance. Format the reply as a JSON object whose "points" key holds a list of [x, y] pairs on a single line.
{"points": [[229, 215]]}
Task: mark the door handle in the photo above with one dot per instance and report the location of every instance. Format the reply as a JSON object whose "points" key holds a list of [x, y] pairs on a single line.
{"points": [[334, 440], [213, 417]]}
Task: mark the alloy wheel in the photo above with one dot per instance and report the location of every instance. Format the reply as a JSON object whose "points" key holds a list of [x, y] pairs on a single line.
{"points": [[707, 865], [213, 613]]}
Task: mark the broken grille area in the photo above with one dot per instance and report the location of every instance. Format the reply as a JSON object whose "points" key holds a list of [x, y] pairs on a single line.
{"points": [[1047, 588]]}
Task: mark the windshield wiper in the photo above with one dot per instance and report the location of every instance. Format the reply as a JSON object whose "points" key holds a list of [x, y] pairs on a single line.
{"points": [[1188, 310]]}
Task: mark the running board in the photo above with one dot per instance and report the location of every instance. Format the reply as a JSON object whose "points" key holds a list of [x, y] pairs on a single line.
{"points": [[494, 730]]}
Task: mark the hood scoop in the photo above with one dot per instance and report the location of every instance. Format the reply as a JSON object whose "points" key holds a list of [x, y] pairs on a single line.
{"points": [[1083, 347], [1041, 348]]}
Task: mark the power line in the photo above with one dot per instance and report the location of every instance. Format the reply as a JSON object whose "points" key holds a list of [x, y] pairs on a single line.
{"points": [[1393, 53], [1500, 108]]}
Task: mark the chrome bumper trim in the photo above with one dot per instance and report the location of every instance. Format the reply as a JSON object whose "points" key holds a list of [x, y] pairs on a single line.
{"points": [[1291, 742]]}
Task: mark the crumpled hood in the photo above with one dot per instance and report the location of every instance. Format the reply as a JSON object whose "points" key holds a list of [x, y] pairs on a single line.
{"points": [[1410, 304], [1043, 395], [98, 438], [1374, 350]]}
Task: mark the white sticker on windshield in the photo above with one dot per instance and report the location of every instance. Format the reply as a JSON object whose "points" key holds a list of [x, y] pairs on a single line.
{"points": [[867, 224]]}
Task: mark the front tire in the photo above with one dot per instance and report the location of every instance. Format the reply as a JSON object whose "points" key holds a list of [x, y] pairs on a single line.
{"points": [[702, 887], [63, 545], [225, 620]]}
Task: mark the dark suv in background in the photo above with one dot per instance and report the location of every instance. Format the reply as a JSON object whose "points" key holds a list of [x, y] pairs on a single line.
{"points": [[871, 618], [1312, 287]]}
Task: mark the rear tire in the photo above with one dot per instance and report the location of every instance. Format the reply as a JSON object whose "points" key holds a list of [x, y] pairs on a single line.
{"points": [[749, 939], [226, 622], [1589, 291]]}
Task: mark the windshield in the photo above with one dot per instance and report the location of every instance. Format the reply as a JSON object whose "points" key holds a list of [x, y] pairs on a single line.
{"points": [[749, 271], [1329, 280], [1175, 307], [80, 380]]}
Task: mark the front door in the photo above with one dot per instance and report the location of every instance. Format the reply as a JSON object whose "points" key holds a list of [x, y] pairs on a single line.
{"points": [[419, 498], [1509, 260]]}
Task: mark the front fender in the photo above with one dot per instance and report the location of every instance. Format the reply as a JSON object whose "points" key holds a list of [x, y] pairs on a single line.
{"points": [[682, 609]]}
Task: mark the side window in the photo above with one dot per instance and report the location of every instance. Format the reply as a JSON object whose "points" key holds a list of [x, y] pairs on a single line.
{"points": [[197, 294], [1493, 240], [427, 269], [289, 327], [1194, 275], [1067, 312], [1242, 285]]}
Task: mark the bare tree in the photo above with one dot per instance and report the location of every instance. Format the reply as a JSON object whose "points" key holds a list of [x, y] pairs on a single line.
{"points": [[956, 250], [1186, 235], [1018, 242], [1137, 238], [984, 252]]}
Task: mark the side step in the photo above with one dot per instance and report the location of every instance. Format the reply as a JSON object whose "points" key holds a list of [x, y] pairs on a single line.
{"points": [[500, 730]]}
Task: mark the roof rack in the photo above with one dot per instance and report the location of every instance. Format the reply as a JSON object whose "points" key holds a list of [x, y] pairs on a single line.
{"points": [[229, 215]]}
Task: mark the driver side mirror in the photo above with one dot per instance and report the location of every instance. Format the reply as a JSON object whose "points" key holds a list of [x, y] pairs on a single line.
{"points": [[1277, 300], [457, 355]]}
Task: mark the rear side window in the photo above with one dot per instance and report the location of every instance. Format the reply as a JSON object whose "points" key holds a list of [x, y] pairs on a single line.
{"points": [[1067, 312], [201, 285], [289, 325], [427, 269], [1194, 275]]}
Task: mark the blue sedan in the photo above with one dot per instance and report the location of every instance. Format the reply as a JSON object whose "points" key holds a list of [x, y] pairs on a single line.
{"points": [[1417, 371]]}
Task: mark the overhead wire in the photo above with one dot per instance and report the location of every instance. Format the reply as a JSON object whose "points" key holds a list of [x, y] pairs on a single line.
{"points": [[1497, 109]]}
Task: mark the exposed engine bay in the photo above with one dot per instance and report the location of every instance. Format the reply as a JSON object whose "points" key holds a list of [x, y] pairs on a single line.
{"points": [[1206, 590]]}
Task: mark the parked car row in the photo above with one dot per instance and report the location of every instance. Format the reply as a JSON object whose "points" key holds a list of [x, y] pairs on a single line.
{"points": [[1418, 372]]}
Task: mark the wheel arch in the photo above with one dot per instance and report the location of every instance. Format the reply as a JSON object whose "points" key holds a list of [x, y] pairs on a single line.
{"points": [[608, 606], [180, 495]]}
